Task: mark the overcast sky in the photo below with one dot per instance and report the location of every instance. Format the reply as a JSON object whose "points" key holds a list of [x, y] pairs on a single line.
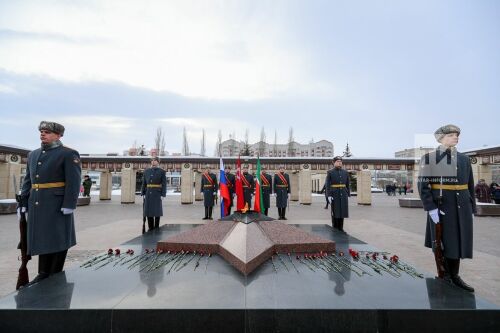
{"points": [[376, 74]]}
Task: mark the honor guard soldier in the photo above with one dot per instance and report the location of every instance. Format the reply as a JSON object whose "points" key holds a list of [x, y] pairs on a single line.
{"points": [[282, 189], [337, 185], [49, 194], [209, 188], [230, 181], [267, 188], [154, 187], [248, 187], [446, 187]]}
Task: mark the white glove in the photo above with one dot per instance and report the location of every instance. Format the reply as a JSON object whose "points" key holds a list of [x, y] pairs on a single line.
{"points": [[19, 211], [330, 199], [67, 211], [434, 214]]}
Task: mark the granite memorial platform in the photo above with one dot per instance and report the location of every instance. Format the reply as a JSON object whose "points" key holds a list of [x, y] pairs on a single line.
{"points": [[8, 206], [410, 203], [216, 297], [487, 209]]}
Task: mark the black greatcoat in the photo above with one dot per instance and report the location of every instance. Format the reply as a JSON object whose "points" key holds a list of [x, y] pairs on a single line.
{"points": [[248, 188], [281, 189], [458, 205], [49, 230], [157, 181], [340, 195], [267, 189], [209, 189], [231, 185]]}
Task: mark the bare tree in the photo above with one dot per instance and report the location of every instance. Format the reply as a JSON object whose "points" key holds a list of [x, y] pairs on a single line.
{"points": [[203, 144], [160, 142], [185, 145], [291, 149], [262, 142], [246, 146], [218, 144]]}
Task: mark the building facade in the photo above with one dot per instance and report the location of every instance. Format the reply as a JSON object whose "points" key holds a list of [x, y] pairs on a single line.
{"points": [[233, 148]]}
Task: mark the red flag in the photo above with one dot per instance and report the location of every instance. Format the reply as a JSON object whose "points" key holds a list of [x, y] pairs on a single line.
{"points": [[240, 201]]}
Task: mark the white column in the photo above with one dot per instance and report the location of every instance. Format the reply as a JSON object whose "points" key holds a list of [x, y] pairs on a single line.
{"points": [[9, 171], [364, 192], [294, 185], [305, 185], [187, 183], [105, 186], [128, 183], [197, 187]]}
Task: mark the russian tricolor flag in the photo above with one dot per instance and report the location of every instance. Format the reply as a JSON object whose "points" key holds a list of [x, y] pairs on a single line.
{"points": [[224, 191]]}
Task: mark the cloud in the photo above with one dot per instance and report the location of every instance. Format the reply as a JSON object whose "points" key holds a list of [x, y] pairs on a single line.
{"points": [[4, 89], [218, 50]]}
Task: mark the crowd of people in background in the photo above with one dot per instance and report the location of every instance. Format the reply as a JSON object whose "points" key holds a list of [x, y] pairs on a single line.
{"points": [[487, 194], [391, 189]]}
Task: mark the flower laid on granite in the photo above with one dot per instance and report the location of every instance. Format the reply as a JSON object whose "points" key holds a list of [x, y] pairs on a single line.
{"points": [[198, 261], [354, 254], [206, 263]]}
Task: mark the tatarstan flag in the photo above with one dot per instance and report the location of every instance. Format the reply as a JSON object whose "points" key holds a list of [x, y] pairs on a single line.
{"points": [[259, 200]]}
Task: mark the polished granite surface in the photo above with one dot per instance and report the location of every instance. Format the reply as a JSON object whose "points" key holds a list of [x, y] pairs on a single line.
{"points": [[220, 286]]}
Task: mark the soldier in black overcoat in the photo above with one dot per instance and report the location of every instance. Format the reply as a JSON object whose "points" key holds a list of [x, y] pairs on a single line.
{"points": [[446, 187], [267, 188], [281, 187], [337, 184], [209, 189], [49, 194], [154, 188], [231, 185], [248, 186]]}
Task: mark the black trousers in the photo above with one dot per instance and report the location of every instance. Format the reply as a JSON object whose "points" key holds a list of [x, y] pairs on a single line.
{"points": [[51, 263], [452, 266], [153, 222], [208, 212]]}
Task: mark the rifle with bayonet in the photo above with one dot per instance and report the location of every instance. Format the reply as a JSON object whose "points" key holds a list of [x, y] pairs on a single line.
{"points": [[23, 276], [438, 245]]}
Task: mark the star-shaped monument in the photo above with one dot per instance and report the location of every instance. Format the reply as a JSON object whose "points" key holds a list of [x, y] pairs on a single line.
{"points": [[246, 240]]}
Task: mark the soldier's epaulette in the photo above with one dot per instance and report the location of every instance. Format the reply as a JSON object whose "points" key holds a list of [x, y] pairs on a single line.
{"points": [[68, 148]]}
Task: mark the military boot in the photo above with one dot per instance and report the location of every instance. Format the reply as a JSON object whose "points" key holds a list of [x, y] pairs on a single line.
{"points": [[454, 267]]}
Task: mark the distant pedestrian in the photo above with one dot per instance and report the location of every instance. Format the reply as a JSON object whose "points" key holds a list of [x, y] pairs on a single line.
{"points": [[482, 192], [87, 185], [495, 192]]}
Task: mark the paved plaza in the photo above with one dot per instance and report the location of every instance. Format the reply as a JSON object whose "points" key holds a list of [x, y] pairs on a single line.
{"points": [[384, 225]]}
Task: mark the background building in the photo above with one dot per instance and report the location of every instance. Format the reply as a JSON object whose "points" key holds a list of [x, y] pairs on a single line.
{"points": [[414, 152], [322, 148]]}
